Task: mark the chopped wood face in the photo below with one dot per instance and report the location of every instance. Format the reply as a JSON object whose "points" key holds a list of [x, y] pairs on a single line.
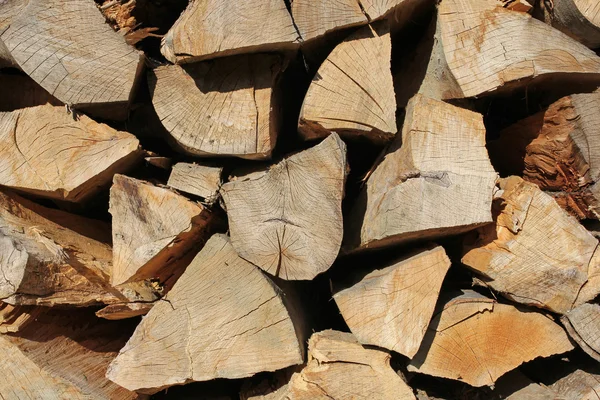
{"points": [[352, 93], [341, 368], [223, 319], [391, 307], [47, 152], [583, 325], [579, 384], [287, 220], [48, 264], [197, 179], [213, 28], [50, 41], [314, 18], [152, 228], [535, 253], [220, 108], [488, 47], [476, 340], [440, 182], [557, 149]]}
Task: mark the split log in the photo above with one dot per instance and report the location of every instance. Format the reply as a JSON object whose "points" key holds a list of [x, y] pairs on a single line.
{"points": [[222, 319], [227, 107], [49, 264], [352, 93], [15, 318], [341, 368], [199, 180], [392, 307], [578, 385], [535, 253], [583, 325], [63, 355], [476, 340], [47, 152], [440, 182], [482, 48], [20, 91], [68, 48], [287, 220], [216, 28], [315, 18], [154, 229], [557, 150], [124, 310], [579, 19]]}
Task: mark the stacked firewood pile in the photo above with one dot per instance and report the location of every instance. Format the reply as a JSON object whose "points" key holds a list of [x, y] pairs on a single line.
{"points": [[307, 199]]}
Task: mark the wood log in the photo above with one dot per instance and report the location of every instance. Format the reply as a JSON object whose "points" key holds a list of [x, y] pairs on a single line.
{"points": [[20, 91], [199, 180], [48, 264], [227, 107], [556, 149], [439, 182], [15, 318], [72, 53], [481, 48], [579, 19], [476, 340], [63, 355], [124, 310], [209, 29], [315, 18], [352, 93], [287, 220], [583, 325], [392, 307], [339, 367], [47, 152], [222, 319], [535, 253], [154, 229], [577, 385]]}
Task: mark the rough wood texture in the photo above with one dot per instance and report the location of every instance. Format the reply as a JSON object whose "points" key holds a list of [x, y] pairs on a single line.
{"points": [[214, 28], [199, 180], [49, 264], [557, 149], [341, 368], [352, 93], [440, 182], [223, 319], [153, 229], [15, 318], [287, 220], [47, 152], [583, 325], [579, 385], [535, 253], [227, 107], [63, 355], [476, 340], [50, 41], [123, 311], [20, 91], [314, 18], [392, 307], [579, 19], [487, 48]]}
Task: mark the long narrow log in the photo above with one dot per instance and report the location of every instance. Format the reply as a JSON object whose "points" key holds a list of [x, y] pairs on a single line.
{"points": [[287, 220], [583, 325], [50, 41], [228, 107], [352, 93], [47, 152], [216, 28], [223, 319], [535, 253], [484, 340], [391, 307], [579, 19], [439, 182]]}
